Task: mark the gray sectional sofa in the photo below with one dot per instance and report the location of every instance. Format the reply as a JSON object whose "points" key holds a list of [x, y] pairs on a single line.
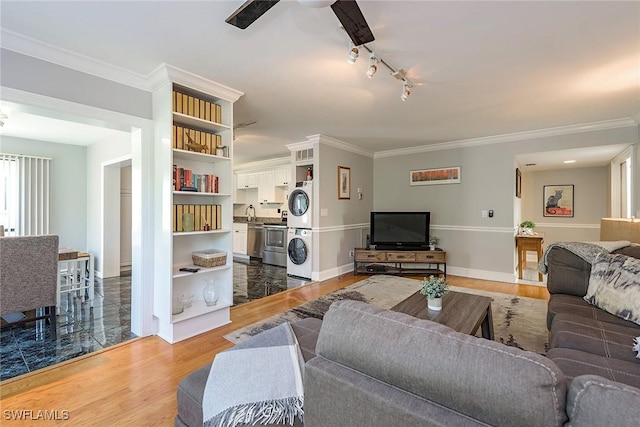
{"points": [[367, 366], [583, 338]]}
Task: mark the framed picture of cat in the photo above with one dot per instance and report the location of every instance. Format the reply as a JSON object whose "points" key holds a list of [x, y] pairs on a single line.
{"points": [[558, 200]]}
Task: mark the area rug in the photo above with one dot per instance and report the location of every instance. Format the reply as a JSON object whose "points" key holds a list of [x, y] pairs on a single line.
{"points": [[517, 321]]}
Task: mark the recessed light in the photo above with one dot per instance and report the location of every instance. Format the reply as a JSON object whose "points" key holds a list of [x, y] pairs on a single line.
{"points": [[569, 161]]}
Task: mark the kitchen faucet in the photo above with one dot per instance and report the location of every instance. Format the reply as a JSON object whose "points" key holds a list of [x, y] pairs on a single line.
{"points": [[251, 213]]}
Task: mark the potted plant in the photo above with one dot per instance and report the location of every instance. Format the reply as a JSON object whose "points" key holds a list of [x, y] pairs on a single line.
{"points": [[433, 241], [434, 288], [527, 227]]}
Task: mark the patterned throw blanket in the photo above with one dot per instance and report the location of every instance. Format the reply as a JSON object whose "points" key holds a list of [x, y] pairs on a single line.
{"points": [[588, 251], [261, 385]]}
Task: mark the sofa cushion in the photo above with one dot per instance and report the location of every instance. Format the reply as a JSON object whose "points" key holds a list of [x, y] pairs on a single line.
{"points": [[593, 336], [575, 363], [567, 273], [585, 406], [570, 304], [191, 388], [481, 379], [614, 286]]}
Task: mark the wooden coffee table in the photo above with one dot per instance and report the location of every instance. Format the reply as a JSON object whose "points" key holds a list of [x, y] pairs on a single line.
{"points": [[461, 312]]}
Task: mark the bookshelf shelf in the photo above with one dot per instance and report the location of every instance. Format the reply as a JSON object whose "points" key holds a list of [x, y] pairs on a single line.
{"points": [[213, 207]]}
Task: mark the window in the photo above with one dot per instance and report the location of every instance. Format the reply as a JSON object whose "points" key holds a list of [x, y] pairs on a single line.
{"points": [[24, 194]]}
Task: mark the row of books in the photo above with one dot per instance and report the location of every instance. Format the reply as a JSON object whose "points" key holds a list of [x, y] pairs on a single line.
{"points": [[188, 139], [196, 107], [196, 217], [203, 183]]}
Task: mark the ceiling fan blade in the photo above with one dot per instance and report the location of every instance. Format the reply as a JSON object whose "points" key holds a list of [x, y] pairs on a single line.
{"points": [[353, 21], [249, 12]]}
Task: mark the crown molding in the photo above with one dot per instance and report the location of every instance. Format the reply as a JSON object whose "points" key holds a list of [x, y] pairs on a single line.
{"points": [[263, 164], [341, 145], [47, 52], [166, 72], [510, 137]]}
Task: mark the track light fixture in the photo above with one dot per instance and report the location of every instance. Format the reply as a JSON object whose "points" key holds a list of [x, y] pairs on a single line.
{"points": [[373, 65], [353, 54], [406, 90], [374, 61]]}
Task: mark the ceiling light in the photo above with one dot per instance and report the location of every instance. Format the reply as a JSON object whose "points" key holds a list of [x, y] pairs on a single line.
{"points": [[353, 54], [373, 65], [569, 161], [406, 91]]}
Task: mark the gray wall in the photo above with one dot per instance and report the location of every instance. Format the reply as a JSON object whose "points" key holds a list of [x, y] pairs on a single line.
{"points": [[590, 202], [346, 222], [68, 186], [34, 75], [476, 246]]}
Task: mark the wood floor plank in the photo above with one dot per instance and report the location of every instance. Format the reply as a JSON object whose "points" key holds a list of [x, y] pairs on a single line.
{"points": [[134, 384]]}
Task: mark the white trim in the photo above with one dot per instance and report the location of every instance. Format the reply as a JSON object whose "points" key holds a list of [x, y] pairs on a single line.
{"points": [[263, 164], [333, 272], [510, 137], [341, 145], [296, 146], [166, 72], [509, 230], [335, 228], [568, 225], [65, 58]]}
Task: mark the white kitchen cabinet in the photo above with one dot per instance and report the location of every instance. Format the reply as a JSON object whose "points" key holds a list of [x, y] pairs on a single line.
{"points": [[282, 176], [240, 238], [247, 180], [239, 197], [267, 190]]}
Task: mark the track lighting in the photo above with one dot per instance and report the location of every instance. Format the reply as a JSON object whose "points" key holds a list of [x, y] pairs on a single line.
{"points": [[375, 61], [353, 54], [406, 90], [373, 65]]}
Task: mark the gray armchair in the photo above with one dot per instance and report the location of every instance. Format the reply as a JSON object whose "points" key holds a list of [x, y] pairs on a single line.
{"points": [[28, 277]]}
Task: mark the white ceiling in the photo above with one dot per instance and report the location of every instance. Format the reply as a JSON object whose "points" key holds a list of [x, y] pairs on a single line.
{"points": [[482, 68]]}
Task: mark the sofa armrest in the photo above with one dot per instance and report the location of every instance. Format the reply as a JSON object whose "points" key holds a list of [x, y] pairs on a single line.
{"points": [[567, 273], [596, 401]]}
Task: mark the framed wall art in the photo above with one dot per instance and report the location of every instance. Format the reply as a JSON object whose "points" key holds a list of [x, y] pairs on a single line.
{"points": [[558, 201], [344, 183], [518, 183], [435, 176]]}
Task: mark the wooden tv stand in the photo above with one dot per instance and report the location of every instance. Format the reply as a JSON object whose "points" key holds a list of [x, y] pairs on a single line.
{"points": [[371, 261]]}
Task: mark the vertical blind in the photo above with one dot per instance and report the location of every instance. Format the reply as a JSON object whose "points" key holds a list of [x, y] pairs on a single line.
{"points": [[25, 193]]}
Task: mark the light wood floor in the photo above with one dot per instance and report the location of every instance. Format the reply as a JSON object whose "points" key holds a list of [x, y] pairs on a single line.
{"points": [[134, 384]]}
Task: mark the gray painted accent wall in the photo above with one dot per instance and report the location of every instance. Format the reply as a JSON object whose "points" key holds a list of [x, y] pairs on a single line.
{"points": [[477, 246], [34, 75], [68, 186]]}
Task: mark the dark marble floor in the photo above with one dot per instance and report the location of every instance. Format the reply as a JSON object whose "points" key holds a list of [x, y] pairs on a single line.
{"points": [[254, 280], [82, 329]]}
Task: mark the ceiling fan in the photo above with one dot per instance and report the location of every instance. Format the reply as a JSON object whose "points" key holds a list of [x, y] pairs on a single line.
{"points": [[347, 12], [242, 126]]}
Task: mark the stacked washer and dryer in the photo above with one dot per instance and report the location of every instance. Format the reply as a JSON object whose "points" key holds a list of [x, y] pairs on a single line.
{"points": [[299, 222]]}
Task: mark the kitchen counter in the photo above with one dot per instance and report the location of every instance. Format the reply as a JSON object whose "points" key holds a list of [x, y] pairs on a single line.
{"points": [[260, 220]]}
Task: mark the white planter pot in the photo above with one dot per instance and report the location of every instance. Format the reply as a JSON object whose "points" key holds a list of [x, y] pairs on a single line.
{"points": [[434, 304]]}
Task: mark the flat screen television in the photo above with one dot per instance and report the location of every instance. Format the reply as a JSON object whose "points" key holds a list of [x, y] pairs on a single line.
{"points": [[400, 230]]}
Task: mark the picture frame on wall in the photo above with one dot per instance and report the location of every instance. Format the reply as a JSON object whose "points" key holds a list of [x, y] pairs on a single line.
{"points": [[558, 201], [518, 183], [450, 175], [344, 183]]}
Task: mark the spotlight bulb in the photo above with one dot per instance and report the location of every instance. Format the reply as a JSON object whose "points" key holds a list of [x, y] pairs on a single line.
{"points": [[406, 91], [373, 65], [372, 70], [353, 55]]}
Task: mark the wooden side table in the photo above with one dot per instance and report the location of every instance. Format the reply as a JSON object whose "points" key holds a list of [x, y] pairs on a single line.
{"points": [[526, 243]]}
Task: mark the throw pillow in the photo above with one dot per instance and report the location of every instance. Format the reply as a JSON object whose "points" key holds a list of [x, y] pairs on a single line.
{"points": [[614, 286]]}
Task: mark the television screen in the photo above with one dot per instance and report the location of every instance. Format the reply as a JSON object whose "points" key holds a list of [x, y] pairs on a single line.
{"points": [[399, 229]]}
